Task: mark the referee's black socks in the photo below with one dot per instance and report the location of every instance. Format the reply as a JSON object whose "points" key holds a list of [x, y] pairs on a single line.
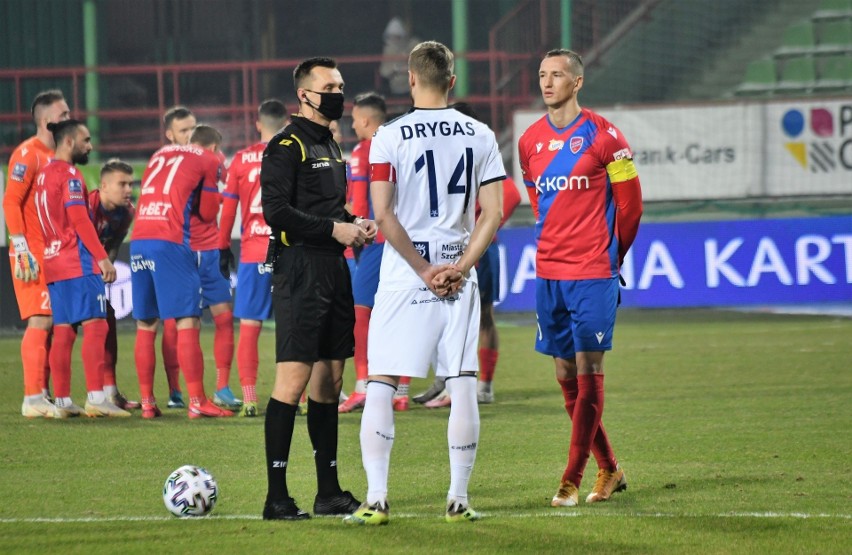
{"points": [[278, 431], [322, 427]]}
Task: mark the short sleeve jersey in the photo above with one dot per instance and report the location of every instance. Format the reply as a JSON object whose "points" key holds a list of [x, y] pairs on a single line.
{"points": [[111, 225], [243, 184], [359, 183], [59, 186], [27, 160], [572, 171], [170, 186], [438, 159], [204, 236]]}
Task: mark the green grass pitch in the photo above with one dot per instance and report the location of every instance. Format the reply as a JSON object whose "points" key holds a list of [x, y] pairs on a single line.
{"points": [[735, 431]]}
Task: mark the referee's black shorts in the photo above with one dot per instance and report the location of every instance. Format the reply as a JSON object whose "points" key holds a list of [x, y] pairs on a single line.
{"points": [[313, 306]]}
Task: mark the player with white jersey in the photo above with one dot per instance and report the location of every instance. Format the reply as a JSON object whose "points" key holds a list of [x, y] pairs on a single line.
{"points": [[253, 297], [427, 169]]}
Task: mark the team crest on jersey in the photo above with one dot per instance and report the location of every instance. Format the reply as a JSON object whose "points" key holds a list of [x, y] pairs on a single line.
{"points": [[422, 249], [18, 172], [555, 145], [575, 144]]}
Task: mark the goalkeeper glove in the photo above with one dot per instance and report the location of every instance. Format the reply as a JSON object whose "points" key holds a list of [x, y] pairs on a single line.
{"points": [[226, 262], [26, 267]]}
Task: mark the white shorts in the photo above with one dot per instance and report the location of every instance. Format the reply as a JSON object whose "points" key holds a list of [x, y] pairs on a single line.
{"points": [[411, 329]]}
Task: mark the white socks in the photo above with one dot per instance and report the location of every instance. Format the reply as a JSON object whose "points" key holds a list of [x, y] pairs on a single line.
{"points": [[377, 431], [462, 435], [96, 397], [360, 386]]}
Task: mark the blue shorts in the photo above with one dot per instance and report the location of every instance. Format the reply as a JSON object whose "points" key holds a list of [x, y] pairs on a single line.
{"points": [[353, 265], [215, 289], [164, 277], [366, 279], [575, 316], [253, 298], [79, 299], [488, 272]]}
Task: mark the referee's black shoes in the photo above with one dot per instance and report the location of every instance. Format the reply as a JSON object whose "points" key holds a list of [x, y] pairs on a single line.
{"points": [[285, 509], [344, 503]]}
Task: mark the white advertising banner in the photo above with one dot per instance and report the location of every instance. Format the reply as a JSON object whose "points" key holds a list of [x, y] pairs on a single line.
{"points": [[809, 148], [736, 150], [686, 153]]}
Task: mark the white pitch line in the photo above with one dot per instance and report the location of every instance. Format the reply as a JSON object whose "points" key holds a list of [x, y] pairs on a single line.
{"points": [[427, 516]]}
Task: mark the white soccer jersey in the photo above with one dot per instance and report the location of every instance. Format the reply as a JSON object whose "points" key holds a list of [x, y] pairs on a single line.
{"points": [[438, 159]]}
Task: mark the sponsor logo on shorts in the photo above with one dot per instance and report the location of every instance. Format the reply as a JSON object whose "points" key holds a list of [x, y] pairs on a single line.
{"points": [[422, 249], [264, 268], [468, 447], [599, 336], [435, 300], [18, 172], [139, 263]]}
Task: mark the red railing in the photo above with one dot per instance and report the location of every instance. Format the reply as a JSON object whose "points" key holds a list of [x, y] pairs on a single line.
{"points": [[133, 128]]}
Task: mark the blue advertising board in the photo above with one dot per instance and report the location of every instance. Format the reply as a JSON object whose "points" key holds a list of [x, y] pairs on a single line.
{"points": [[718, 263]]}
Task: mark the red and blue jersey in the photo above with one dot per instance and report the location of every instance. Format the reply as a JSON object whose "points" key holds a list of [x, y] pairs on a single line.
{"points": [[243, 188], [585, 193], [179, 180], [204, 235], [359, 183], [71, 249], [111, 225]]}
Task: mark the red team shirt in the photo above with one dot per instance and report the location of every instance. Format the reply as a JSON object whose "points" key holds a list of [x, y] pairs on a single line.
{"points": [[179, 180], [71, 247], [576, 177], [203, 235], [359, 183], [243, 188]]}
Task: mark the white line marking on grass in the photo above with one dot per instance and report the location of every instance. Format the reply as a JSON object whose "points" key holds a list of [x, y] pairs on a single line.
{"points": [[428, 516]]}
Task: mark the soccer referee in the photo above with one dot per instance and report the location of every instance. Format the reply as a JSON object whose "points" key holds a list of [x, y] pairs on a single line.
{"points": [[303, 191]]}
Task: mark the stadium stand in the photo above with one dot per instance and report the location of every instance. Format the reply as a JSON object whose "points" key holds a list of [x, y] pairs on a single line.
{"points": [[815, 56]]}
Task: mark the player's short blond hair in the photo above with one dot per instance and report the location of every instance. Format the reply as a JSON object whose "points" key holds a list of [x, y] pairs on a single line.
{"points": [[433, 63]]}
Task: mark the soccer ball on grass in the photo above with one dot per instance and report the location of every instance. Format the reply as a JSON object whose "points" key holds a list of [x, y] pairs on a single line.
{"points": [[190, 491]]}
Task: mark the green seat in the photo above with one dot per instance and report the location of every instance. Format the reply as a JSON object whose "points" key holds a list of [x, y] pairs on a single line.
{"points": [[798, 74], [798, 39], [760, 77], [831, 9], [835, 72], [835, 36]]}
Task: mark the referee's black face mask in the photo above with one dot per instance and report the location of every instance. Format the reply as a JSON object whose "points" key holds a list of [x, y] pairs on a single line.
{"points": [[330, 106]]}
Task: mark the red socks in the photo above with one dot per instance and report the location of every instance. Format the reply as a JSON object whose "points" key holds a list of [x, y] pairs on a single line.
{"points": [[248, 360], [223, 347], [146, 359], [60, 359], [362, 326], [92, 351], [34, 357], [601, 448], [585, 421], [170, 356], [191, 361], [487, 364]]}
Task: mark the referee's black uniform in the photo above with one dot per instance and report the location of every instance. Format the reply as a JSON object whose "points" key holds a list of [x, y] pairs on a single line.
{"points": [[303, 188]]}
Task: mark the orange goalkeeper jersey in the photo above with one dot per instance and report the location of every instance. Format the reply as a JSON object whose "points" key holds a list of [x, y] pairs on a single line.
{"points": [[27, 160]]}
